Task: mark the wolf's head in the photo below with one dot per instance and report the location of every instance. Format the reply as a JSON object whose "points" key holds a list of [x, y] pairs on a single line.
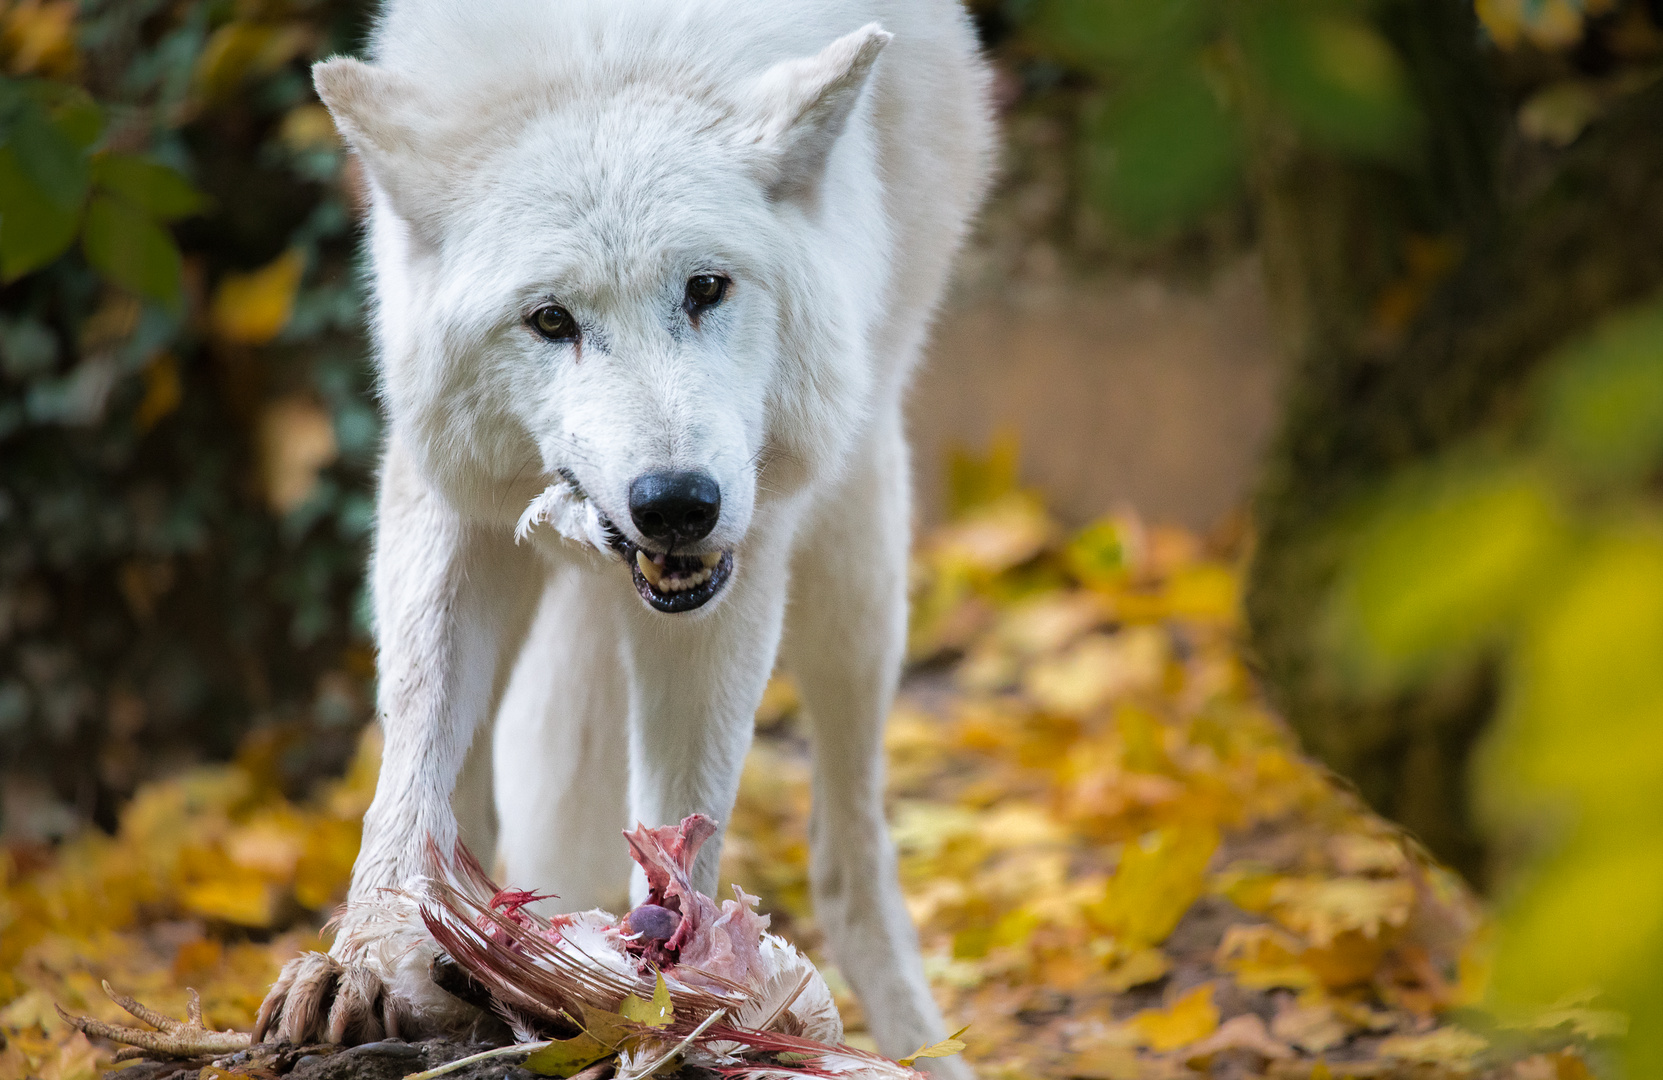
{"points": [[633, 294]]}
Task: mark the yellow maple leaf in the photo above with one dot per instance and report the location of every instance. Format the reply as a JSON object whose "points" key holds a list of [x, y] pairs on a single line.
{"points": [[1160, 875], [240, 899], [39, 38], [1206, 592], [945, 1048], [1445, 1046], [253, 308], [241, 50], [1098, 668], [1263, 958], [1143, 966], [1189, 1019], [1323, 909], [657, 1012]]}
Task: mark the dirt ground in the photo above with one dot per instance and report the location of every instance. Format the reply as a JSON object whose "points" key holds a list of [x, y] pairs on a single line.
{"points": [[1122, 390]]}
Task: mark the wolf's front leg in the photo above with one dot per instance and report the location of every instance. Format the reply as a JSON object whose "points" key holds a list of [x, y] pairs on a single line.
{"points": [[844, 643], [452, 600], [694, 684]]}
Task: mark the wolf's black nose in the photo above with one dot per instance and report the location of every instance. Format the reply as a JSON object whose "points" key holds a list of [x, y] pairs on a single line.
{"points": [[675, 506]]}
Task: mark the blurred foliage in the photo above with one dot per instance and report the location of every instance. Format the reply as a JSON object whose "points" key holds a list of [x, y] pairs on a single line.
{"points": [[185, 431], [1120, 865], [1438, 195], [1460, 216], [1548, 553], [1176, 86]]}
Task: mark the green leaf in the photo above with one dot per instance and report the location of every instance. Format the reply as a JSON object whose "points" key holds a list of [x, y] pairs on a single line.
{"points": [[1336, 77], [565, 1057], [655, 1013], [34, 230], [1163, 152], [1587, 712], [124, 243], [75, 114], [1114, 33], [72, 110], [1445, 563], [156, 189], [52, 160], [1594, 919], [1604, 407]]}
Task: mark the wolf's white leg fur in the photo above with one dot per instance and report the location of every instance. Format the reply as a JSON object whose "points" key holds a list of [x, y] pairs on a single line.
{"points": [[845, 640], [474, 802], [562, 751], [694, 688], [452, 600]]}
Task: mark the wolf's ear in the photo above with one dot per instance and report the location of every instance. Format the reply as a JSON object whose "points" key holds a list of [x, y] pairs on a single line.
{"points": [[380, 114], [802, 105]]}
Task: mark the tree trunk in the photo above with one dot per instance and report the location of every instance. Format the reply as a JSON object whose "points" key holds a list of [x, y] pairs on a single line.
{"points": [[1416, 303]]}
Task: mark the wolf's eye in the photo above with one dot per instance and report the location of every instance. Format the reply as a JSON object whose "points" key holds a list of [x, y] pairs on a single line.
{"points": [[554, 322], [705, 290]]}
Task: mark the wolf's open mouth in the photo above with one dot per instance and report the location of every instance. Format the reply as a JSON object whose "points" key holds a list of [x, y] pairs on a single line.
{"points": [[673, 583]]}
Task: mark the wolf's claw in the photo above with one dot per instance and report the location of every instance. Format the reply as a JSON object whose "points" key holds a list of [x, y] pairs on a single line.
{"points": [[318, 999]]}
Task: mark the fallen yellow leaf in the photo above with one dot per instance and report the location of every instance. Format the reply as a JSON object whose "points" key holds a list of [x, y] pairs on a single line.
{"points": [[243, 900], [1445, 1046], [1160, 875], [1322, 909], [1189, 1019]]}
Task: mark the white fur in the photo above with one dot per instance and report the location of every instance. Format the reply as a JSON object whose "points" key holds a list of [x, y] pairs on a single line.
{"points": [[823, 154]]}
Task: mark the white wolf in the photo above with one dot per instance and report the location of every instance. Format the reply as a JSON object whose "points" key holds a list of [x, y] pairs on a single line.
{"points": [[650, 276]]}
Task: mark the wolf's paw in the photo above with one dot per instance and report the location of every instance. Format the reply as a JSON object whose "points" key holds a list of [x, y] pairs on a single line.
{"points": [[318, 999]]}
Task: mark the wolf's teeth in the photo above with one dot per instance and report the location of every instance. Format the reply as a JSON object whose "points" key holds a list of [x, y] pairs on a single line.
{"points": [[649, 569], [681, 583], [711, 560]]}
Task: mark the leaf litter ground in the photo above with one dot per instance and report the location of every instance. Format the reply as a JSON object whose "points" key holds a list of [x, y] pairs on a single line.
{"points": [[1120, 864]]}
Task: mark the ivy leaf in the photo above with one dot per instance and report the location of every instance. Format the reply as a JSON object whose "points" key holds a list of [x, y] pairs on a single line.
{"points": [[125, 244], [154, 188], [34, 230], [51, 159], [1115, 33], [1163, 152], [1604, 406], [1336, 77], [73, 111], [655, 1013]]}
